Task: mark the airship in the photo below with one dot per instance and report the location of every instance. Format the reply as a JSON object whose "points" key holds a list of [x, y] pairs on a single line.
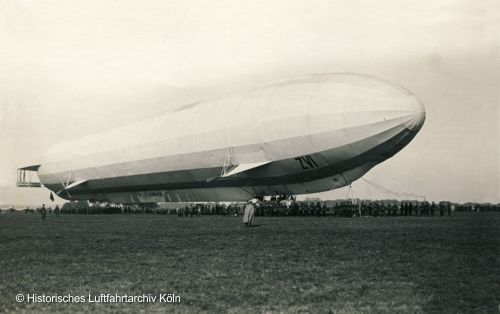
{"points": [[299, 136]]}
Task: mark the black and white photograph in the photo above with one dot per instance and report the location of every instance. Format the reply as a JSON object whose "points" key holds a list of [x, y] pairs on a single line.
{"points": [[258, 156]]}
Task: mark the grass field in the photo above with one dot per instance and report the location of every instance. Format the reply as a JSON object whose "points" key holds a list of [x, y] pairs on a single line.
{"points": [[215, 264]]}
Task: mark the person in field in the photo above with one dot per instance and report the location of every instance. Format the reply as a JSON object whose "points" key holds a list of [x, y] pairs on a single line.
{"points": [[43, 211], [249, 213]]}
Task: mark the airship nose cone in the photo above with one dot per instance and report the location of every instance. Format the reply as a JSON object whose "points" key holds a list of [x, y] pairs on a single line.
{"points": [[412, 109]]}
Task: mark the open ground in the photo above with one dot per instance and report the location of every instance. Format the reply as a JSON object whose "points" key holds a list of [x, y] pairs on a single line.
{"points": [[284, 264]]}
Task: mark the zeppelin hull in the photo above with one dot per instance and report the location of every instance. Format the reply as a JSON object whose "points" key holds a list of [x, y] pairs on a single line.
{"points": [[296, 137], [306, 174]]}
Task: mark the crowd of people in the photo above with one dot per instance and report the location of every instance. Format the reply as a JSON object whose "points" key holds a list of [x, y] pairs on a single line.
{"points": [[336, 208]]}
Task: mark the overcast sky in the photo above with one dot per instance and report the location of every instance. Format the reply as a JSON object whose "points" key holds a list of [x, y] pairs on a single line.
{"points": [[70, 68]]}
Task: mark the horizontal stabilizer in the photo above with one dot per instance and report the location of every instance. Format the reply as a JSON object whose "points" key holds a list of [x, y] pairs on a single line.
{"points": [[72, 185], [244, 167], [27, 178], [30, 168]]}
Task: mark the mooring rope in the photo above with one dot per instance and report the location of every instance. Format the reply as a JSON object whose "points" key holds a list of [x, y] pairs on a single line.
{"points": [[399, 194]]}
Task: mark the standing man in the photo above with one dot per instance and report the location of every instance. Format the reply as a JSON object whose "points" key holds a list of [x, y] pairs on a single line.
{"points": [[249, 212], [56, 211], [43, 212]]}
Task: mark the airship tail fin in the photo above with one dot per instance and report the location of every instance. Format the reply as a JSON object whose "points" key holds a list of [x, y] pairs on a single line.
{"points": [[240, 168], [26, 176], [244, 167], [70, 186]]}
